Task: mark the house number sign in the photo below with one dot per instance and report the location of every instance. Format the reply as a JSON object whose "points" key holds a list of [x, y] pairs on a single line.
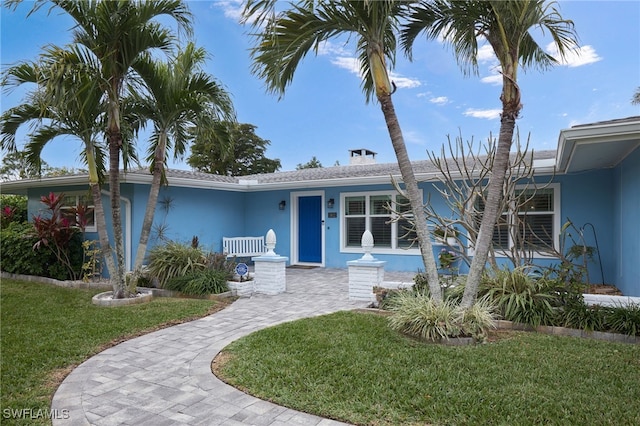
{"points": [[242, 269]]}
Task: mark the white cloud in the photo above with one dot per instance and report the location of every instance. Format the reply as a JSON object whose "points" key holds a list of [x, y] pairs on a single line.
{"points": [[494, 79], [440, 100], [350, 64], [329, 48], [353, 66], [489, 114], [583, 55], [413, 137], [232, 8], [485, 54], [404, 82]]}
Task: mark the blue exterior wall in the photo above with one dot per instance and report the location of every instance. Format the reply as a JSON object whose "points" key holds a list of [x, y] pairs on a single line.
{"points": [[602, 204], [626, 225]]}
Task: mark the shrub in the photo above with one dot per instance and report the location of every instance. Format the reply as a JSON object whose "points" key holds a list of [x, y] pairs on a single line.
{"points": [[174, 260], [17, 242], [219, 262], [624, 320], [417, 315], [575, 314], [520, 297], [13, 208], [199, 283]]}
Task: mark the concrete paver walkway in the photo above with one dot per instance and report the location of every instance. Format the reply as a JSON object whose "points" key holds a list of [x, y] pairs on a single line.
{"points": [[164, 378]]}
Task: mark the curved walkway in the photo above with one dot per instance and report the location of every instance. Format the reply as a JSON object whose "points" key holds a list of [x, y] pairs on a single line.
{"points": [[164, 378]]}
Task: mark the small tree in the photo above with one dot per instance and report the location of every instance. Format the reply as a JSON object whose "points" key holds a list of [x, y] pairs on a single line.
{"points": [[56, 230], [462, 183], [314, 163], [232, 149]]}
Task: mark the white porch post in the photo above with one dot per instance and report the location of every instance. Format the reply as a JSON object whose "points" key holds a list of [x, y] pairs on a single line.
{"points": [[365, 273], [270, 274]]}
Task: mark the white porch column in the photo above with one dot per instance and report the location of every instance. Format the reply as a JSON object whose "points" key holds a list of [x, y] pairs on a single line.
{"points": [[365, 273], [270, 274]]}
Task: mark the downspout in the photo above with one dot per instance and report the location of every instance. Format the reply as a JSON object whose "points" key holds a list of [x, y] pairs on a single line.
{"points": [[127, 230]]}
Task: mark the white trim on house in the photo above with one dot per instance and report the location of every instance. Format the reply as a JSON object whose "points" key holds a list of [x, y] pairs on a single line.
{"points": [[377, 249]]}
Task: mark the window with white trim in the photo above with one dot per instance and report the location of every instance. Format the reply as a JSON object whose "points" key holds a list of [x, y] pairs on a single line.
{"points": [[532, 221], [68, 209], [370, 211]]}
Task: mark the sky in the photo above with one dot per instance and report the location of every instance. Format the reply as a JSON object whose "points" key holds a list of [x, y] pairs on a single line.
{"points": [[324, 114]]}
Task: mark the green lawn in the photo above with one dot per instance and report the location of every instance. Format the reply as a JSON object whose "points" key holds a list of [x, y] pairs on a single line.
{"points": [[352, 367], [45, 330]]}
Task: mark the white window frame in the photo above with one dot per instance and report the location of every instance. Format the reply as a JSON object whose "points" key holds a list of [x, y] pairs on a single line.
{"points": [[394, 249], [77, 195], [556, 222]]}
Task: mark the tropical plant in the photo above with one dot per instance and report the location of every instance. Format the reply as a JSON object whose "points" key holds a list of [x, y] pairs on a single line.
{"points": [[420, 316], [54, 232], [77, 110], [180, 97], [174, 259], [624, 320], [284, 38], [108, 39], [507, 27], [518, 296], [314, 163], [231, 149], [208, 281]]}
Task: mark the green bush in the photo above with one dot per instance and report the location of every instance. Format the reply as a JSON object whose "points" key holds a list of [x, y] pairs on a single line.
{"points": [[19, 257], [575, 314], [204, 282], [520, 297], [13, 208], [174, 260], [624, 320], [417, 315]]}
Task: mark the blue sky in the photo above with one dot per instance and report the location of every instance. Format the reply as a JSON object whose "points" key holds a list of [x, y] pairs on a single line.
{"points": [[324, 113]]}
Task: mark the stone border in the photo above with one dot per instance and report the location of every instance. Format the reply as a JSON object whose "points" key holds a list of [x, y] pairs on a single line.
{"points": [[545, 329], [53, 281], [571, 332]]}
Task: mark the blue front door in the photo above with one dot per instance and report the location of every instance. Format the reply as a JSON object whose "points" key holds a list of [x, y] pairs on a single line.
{"points": [[310, 229]]}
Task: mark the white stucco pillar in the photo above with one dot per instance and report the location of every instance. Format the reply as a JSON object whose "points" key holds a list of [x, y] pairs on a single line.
{"points": [[270, 269], [365, 273]]}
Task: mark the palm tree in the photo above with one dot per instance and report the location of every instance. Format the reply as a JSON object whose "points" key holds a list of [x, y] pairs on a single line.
{"points": [[284, 39], [108, 39], [179, 98], [78, 111], [506, 26]]}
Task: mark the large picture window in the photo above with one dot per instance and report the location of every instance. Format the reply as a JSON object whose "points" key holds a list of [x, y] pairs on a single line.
{"points": [[531, 222], [370, 211], [68, 209]]}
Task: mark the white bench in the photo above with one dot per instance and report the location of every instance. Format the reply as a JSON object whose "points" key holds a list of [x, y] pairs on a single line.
{"points": [[243, 246]]}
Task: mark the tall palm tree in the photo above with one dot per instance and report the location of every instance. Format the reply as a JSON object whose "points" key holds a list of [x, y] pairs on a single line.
{"points": [[179, 98], [284, 39], [506, 25], [108, 39], [78, 111]]}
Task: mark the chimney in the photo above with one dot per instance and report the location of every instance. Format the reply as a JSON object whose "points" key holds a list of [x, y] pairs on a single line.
{"points": [[362, 156]]}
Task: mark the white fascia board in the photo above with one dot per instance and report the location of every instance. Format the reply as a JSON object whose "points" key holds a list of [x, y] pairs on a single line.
{"points": [[569, 138]]}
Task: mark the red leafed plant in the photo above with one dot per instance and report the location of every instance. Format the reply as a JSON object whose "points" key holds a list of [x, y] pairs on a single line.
{"points": [[55, 230]]}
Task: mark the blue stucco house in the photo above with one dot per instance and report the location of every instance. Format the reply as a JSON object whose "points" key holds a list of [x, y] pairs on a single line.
{"points": [[319, 215]]}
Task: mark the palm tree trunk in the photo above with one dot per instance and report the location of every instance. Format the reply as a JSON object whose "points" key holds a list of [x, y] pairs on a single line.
{"points": [[101, 223], [510, 110], [115, 142], [151, 203], [413, 193]]}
